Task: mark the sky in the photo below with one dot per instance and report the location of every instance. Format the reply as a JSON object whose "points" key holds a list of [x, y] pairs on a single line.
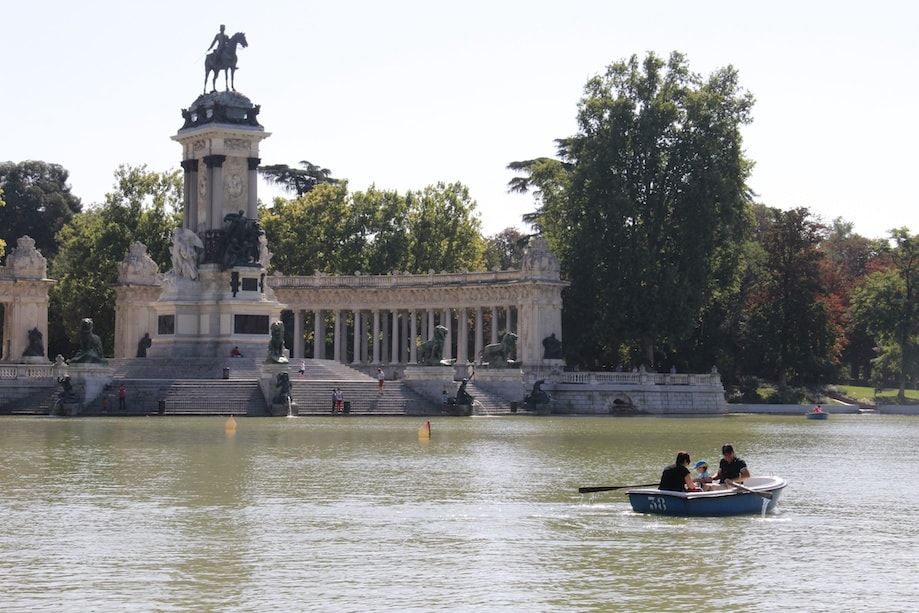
{"points": [[404, 94]]}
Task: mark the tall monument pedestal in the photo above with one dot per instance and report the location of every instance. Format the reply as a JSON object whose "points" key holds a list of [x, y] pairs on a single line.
{"points": [[215, 297]]}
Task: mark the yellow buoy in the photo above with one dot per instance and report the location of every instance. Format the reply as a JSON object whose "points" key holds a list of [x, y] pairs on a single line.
{"points": [[424, 432], [231, 424]]}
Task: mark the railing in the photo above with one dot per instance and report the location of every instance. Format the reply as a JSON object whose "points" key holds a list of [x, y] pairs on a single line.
{"points": [[398, 280], [639, 378], [27, 371]]}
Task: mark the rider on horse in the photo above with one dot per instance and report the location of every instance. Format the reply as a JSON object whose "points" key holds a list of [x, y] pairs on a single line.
{"points": [[220, 39]]}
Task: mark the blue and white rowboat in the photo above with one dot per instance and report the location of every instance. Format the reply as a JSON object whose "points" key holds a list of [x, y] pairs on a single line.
{"points": [[750, 498]]}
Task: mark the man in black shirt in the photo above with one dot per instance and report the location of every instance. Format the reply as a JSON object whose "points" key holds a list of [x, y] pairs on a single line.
{"points": [[731, 468]]}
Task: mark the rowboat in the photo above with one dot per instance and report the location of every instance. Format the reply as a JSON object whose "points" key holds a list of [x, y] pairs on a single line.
{"points": [[751, 497], [817, 415]]}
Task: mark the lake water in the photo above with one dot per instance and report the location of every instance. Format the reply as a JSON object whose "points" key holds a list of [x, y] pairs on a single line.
{"points": [[359, 514]]}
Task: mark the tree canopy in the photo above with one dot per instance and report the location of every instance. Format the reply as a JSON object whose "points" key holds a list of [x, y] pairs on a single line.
{"points": [[143, 207], [887, 303], [647, 206], [297, 180], [334, 231], [38, 203]]}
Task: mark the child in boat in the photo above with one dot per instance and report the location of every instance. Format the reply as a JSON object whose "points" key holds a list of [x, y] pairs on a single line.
{"points": [[703, 477]]}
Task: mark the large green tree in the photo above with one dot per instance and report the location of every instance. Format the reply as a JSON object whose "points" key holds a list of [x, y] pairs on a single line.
{"points": [[38, 203], [887, 303], [333, 231], [791, 332], [647, 207], [143, 207]]}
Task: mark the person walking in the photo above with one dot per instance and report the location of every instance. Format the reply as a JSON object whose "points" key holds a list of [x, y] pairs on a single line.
{"points": [[122, 398], [381, 377]]}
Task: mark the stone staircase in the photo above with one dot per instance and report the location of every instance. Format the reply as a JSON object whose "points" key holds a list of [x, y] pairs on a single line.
{"points": [[230, 386]]}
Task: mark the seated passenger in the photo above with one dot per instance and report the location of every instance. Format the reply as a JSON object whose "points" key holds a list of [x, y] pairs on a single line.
{"points": [[676, 477]]}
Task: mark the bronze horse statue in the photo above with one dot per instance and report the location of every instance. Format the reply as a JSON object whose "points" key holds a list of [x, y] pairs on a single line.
{"points": [[226, 62]]}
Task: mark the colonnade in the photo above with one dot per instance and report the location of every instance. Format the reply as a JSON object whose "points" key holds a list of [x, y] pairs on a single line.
{"points": [[392, 336]]}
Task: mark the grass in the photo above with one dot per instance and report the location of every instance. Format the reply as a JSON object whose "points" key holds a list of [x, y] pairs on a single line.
{"points": [[885, 396]]}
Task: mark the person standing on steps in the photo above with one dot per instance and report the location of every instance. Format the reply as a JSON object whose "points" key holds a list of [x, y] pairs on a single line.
{"points": [[339, 399], [122, 398], [381, 377]]}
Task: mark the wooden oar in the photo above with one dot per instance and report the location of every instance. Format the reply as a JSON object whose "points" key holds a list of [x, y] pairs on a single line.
{"points": [[766, 495], [607, 488]]}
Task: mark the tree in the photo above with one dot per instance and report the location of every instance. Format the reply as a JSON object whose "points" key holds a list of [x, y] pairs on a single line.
{"points": [[38, 203], [506, 248], [445, 232], [790, 331], [331, 231], [144, 207], [887, 302], [321, 231], [295, 180], [849, 258], [647, 207]]}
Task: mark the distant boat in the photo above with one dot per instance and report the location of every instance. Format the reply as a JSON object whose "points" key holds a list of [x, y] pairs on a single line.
{"points": [[817, 413], [748, 498]]}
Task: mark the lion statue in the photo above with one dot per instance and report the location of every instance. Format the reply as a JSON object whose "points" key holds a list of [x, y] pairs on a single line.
{"points": [[283, 385], [432, 351], [497, 355], [276, 344], [90, 345]]}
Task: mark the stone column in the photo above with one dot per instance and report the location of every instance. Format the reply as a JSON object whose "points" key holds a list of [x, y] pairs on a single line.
{"points": [[298, 334], [448, 341], [190, 210], [376, 336], [462, 336], [356, 358], [252, 201], [336, 342], [494, 325], [318, 335], [394, 356], [478, 333], [215, 190], [413, 334]]}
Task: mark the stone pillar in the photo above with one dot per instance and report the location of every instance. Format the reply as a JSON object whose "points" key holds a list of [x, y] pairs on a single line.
{"points": [[318, 335], [413, 336], [190, 210], [462, 336], [394, 356], [478, 333], [356, 358], [494, 325], [215, 190], [376, 336], [252, 201], [448, 341], [336, 342], [298, 333]]}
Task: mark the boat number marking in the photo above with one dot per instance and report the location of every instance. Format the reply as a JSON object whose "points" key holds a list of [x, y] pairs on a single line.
{"points": [[657, 503]]}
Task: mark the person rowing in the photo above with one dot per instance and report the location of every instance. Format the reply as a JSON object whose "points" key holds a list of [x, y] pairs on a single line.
{"points": [[731, 468]]}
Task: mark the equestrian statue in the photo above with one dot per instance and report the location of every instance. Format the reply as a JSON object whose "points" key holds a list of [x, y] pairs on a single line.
{"points": [[223, 58]]}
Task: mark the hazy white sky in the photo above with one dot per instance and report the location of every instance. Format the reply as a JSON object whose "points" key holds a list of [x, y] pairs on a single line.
{"points": [[405, 93]]}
